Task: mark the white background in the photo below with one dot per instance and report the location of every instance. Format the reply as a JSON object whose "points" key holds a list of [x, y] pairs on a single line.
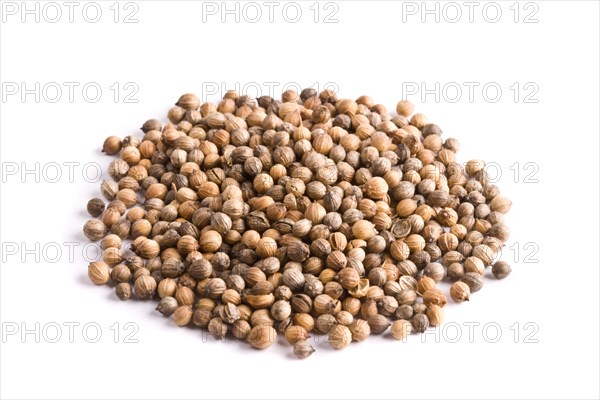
{"points": [[373, 49]]}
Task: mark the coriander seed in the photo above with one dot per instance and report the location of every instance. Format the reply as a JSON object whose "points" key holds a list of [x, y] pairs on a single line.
{"points": [[167, 306], [217, 328], [120, 274], [281, 310], [360, 330], [94, 229], [473, 280], [424, 284], [95, 207], [401, 329], [434, 296], [378, 323], [339, 337], [295, 333], [112, 145], [404, 312], [241, 329], [420, 323], [325, 322], [501, 269], [262, 336], [99, 272], [123, 291], [460, 292], [303, 349], [435, 314], [145, 287], [182, 315]]}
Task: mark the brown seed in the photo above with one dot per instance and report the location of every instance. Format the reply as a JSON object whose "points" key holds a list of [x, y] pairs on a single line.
{"points": [[501, 269], [420, 323], [94, 229], [123, 291], [303, 349], [339, 337], [434, 296], [405, 108], [266, 247], [348, 278], [473, 280], [401, 329], [182, 315], [460, 292], [120, 273], [424, 284], [295, 333], [241, 329], [145, 287], [484, 253], [167, 306], [189, 102], [500, 204], [455, 271], [435, 314], [378, 323], [217, 328], [147, 248], [112, 145], [360, 330], [95, 207], [99, 272], [474, 264], [261, 337], [210, 241], [376, 188]]}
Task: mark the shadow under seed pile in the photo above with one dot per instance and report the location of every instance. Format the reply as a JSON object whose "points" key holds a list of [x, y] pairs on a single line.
{"points": [[265, 217]]}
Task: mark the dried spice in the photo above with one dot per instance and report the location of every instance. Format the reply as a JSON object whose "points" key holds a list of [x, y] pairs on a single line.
{"points": [[309, 213]]}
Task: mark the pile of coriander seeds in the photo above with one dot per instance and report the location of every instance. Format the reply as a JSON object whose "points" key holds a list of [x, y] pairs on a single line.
{"points": [[259, 218]]}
